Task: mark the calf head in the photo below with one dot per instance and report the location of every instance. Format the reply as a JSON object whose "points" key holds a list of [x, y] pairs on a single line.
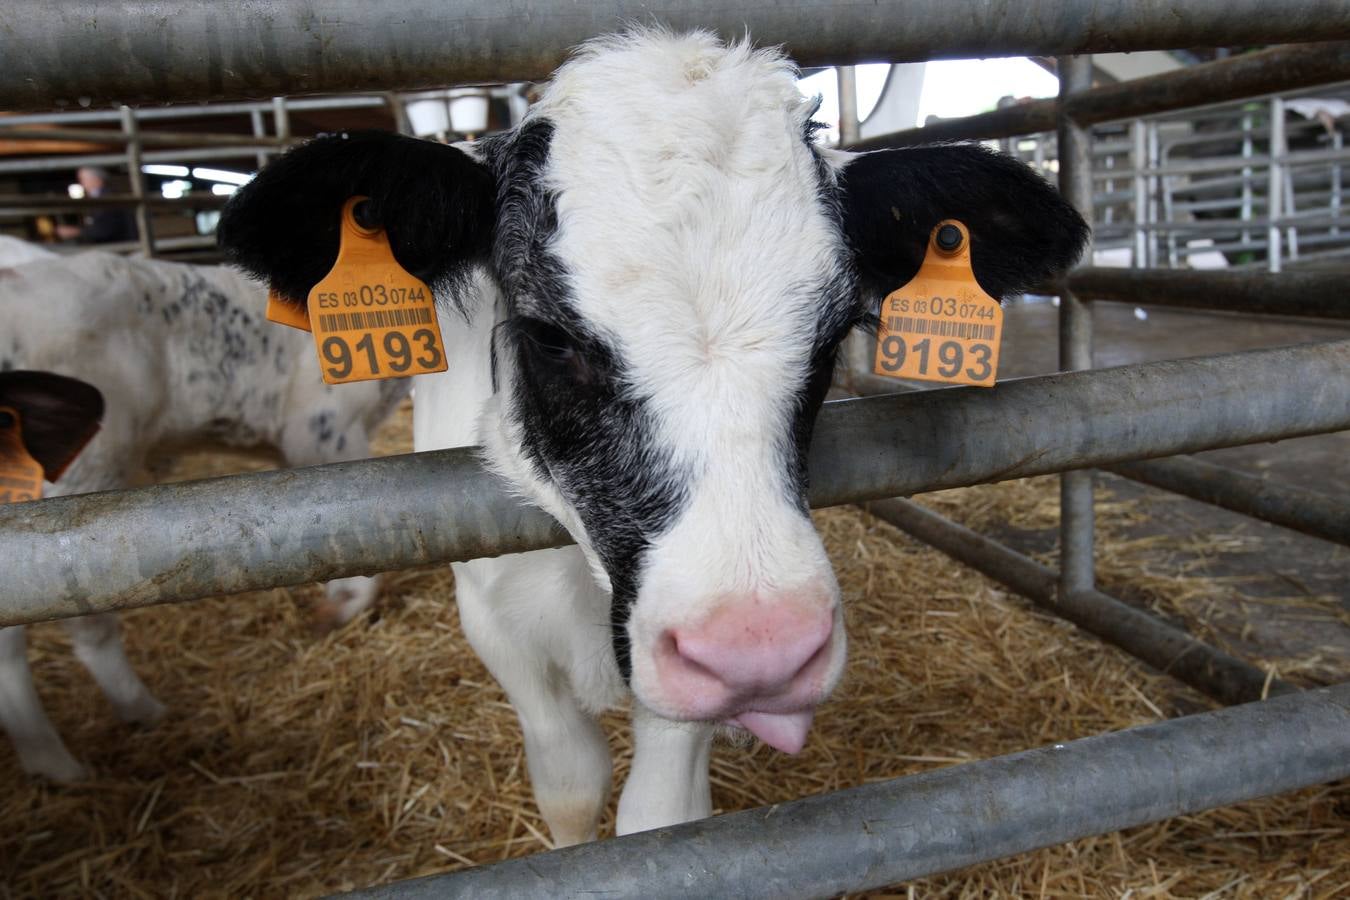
{"points": [[674, 263]]}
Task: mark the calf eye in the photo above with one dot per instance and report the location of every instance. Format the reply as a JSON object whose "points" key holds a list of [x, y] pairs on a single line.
{"points": [[551, 347]]}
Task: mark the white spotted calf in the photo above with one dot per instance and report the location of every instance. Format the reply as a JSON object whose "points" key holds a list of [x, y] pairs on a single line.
{"points": [[646, 283], [182, 354]]}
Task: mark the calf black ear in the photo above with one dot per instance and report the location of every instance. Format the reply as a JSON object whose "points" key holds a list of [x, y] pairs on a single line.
{"points": [[1021, 231], [435, 203], [57, 415]]}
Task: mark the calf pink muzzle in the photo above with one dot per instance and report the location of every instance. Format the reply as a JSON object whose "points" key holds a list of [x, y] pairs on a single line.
{"points": [[761, 662]]}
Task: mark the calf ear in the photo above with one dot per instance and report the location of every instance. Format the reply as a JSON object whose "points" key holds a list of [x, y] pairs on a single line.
{"points": [[57, 415], [1021, 231], [435, 203]]}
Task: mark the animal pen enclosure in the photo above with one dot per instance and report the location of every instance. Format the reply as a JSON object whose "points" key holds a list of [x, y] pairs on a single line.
{"points": [[72, 556]]}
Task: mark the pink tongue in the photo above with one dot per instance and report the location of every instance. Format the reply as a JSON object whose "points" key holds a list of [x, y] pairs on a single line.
{"points": [[781, 731]]}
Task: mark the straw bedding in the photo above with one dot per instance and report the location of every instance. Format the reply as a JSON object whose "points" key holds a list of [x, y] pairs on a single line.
{"points": [[295, 763]]}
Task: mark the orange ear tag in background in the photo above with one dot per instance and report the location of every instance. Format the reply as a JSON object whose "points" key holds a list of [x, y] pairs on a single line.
{"points": [[941, 326], [370, 317], [20, 474], [284, 313]]}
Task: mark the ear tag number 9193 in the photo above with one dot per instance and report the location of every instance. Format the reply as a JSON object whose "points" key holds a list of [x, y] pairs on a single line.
{"points": [[941, 326], [370, 317], [20, 474]]}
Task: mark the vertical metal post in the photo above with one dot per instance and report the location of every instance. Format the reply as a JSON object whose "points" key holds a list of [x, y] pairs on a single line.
{"points": [[259, 130], [858, 347], [1151, 130], [399, 111], [849, 126], [1337, 143], [1275, 184], [132, 129], [281, 119], [1246, 177], [1075, 329], [1139, 159]]}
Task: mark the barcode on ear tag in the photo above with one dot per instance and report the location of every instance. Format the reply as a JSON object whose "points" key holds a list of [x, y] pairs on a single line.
{"points": [[20, 474], [941, 326], [370, 317]]}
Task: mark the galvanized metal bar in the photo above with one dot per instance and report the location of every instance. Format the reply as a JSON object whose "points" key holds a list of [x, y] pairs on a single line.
{"points": [[144, 231], [848, 105], [1319, 294], [1310, 512], [38, 204], [1145, 637], [1238, 77], [1275, 185], [148, 138], [1076, 521], [71, 556], [883, 834], [135, 52], [192, 154], [192, 110]]}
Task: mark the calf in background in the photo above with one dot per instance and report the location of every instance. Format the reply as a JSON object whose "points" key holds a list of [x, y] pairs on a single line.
{"points": [[182, 354]]}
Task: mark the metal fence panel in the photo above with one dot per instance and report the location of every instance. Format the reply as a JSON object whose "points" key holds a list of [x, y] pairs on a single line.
{"points": [[204, 49]]}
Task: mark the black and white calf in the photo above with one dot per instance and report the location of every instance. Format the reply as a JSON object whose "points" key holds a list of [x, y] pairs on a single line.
{"points": [[647, 282], [181, 354]]}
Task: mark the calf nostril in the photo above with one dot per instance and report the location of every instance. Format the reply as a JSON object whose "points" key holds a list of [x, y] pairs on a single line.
{"points": [[754, 646]]}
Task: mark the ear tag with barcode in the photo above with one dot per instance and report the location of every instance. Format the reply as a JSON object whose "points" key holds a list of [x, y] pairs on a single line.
{"points": [[370, 317], [20, 474], [941, 326]]}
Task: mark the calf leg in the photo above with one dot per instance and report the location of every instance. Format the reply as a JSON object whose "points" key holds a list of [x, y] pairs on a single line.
{"points": [[565, 750], [36, 741], [668, 782], [98, 644], [346, 598]]}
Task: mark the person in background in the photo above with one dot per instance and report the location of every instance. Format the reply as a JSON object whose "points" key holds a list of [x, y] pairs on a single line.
{"points": [[101, 226]]}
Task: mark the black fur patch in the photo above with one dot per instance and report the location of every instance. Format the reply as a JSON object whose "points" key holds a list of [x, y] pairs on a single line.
{"points": [[585, 428], [1021, 230], [434, 201]]}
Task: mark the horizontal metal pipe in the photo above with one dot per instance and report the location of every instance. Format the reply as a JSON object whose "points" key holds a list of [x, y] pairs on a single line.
{"points": [[76, 555], [1146, 637], [181, 154], [1032, 117], [883, 834], [141, 51], [71, 556], [1303, 293], [193, 110], [1248, 75], [37, 205], [147, 138], [1309, 512]]}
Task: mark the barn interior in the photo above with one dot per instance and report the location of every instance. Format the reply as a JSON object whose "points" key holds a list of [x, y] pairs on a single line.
{"points": [[299, 762]]}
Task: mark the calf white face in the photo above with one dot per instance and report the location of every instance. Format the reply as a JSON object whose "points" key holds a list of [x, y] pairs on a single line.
{"points": [[678, 264]]}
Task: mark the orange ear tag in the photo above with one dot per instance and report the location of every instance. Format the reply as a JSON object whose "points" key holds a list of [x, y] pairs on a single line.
{"points": [[20, 474], [284, 313], [941, 326], [370, 317]]}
